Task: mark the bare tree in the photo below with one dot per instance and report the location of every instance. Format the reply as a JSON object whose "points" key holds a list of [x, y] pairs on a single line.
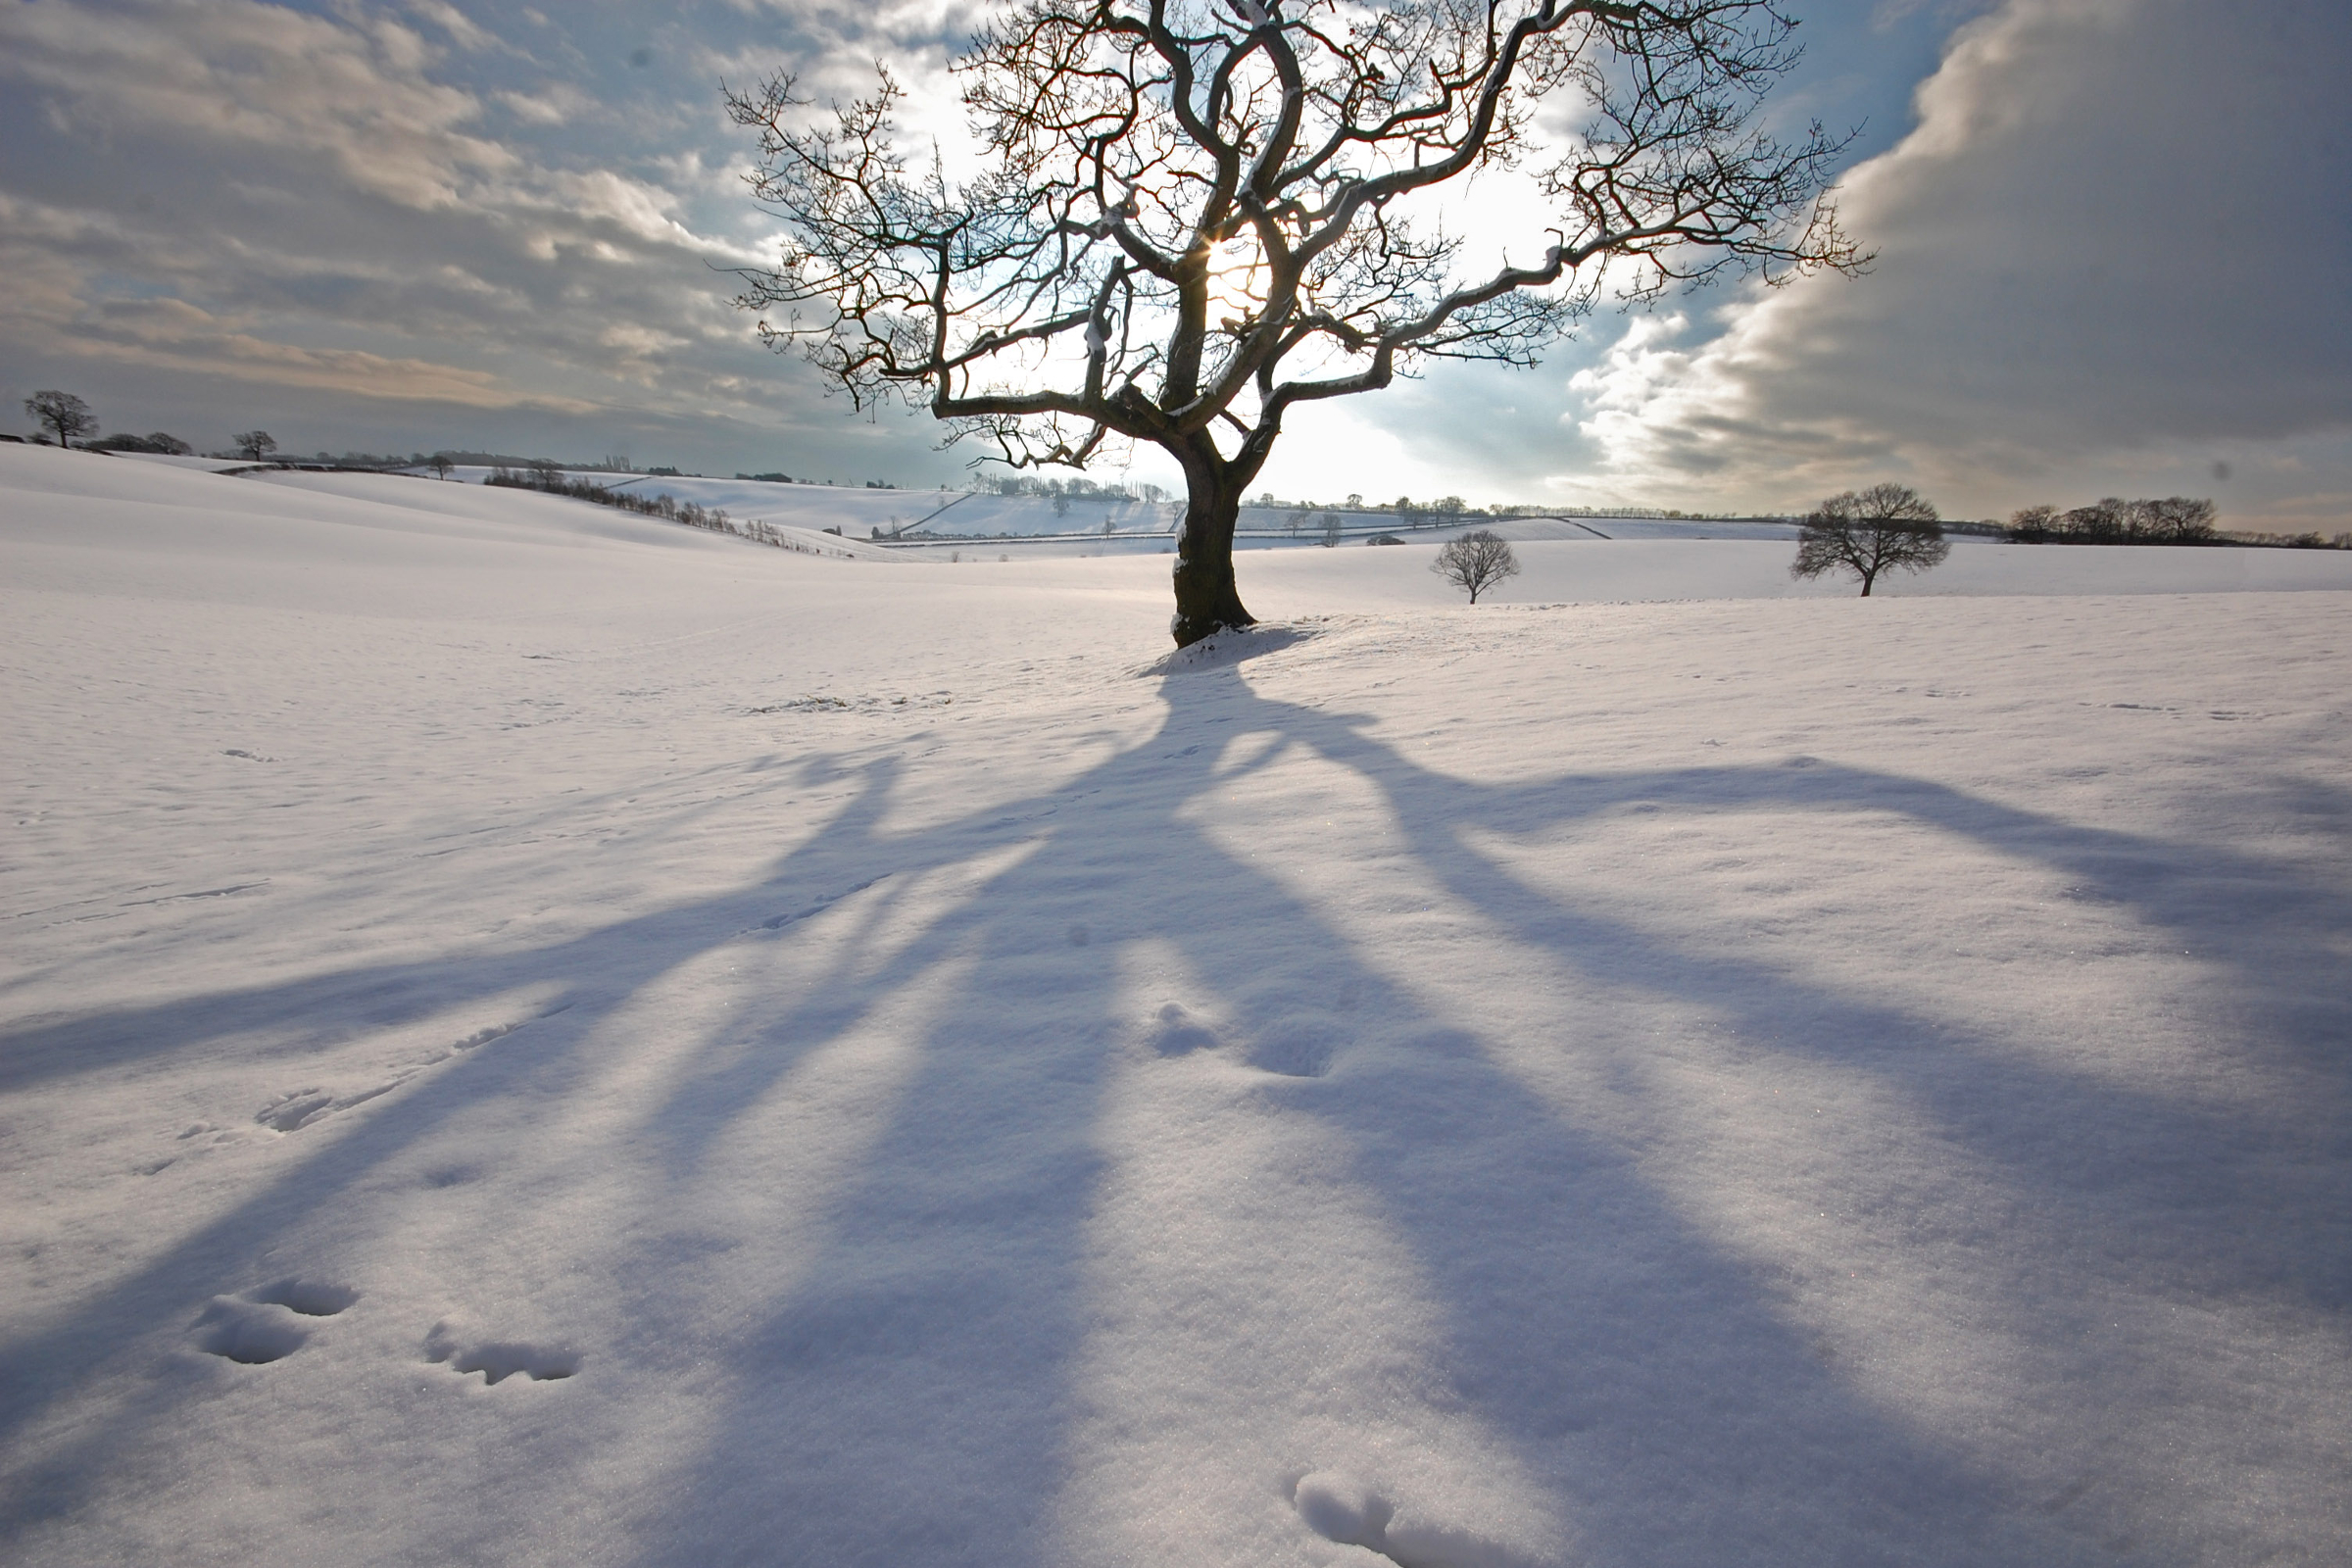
{"points": [[2174, 521], [63, 413], [1885, 527], [2033, 525], [1476, 561], [161, 443], [440, 462], [1194, 215], [255, 443]]}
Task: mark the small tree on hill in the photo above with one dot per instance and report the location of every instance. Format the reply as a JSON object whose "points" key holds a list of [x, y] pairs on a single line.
{"points": [[1187, 218], [255, 443], [63, 413], [1476, 561], [1885, 527]]}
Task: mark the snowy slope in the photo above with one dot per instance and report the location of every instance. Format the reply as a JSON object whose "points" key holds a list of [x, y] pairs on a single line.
{"points": [[533, 1035], [975, 514]]}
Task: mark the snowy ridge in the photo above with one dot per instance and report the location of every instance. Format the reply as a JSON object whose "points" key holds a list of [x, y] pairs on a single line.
{"points": [[673, 1052]]}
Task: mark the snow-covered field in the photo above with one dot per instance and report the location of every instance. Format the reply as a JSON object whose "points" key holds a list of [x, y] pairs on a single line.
{"points": [[532, 1035]]}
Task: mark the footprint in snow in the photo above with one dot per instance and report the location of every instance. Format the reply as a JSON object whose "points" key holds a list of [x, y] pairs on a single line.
{"points": [[1292, 1047], [264, 1324], [1296, 1048], [298, 1108], [1178, 1036], [291, 1112], [499, 1360], [1338, 1507]]}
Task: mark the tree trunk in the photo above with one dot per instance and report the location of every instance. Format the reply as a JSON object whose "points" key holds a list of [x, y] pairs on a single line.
{"points": [[1206, 600]]}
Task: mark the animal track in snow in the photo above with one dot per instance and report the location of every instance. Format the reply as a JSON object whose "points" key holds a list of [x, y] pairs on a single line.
{"points": [[263, 1324], [780, 921], [1296, 1048], [310, 1297], [862, 705], [300, 1107], [1177, 1034], [1338, 1507], [293, 1112], [499, 1360], [1293, 1048]]}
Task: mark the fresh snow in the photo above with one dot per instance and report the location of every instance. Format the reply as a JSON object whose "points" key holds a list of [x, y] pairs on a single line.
{"points": [[537, 1035]]}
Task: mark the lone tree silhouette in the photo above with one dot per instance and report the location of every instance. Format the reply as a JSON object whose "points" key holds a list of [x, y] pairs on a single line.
{"points": [[1476, 561], [63, 413], [255, 443], [1887, 527], [1189, 217]]}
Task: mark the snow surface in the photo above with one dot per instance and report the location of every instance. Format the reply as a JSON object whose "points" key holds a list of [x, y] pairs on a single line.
{"points": [[173, 460], [535, 1035]]}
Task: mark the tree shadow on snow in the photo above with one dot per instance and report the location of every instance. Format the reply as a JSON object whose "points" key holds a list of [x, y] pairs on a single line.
{"points": [[909, 1398]]}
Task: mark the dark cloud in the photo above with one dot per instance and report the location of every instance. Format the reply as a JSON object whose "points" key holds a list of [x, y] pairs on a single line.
{"points": [[2116, 240]]}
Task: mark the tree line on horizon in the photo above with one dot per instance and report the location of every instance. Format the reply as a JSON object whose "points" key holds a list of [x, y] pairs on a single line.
{"points": [[2112, 520]]}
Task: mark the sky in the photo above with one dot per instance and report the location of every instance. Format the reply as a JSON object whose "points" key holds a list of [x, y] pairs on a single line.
{"points": [[2113, 238]]}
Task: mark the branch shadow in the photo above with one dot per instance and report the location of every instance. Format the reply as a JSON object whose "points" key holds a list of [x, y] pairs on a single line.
{"points": [[911, 1398]]}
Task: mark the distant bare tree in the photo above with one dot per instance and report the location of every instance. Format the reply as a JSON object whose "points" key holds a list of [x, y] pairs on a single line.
{"points": [[159, 442], [1869, 532], [1476, 561], [2179, 520], [63, 413], [1190, 217], [2174, 521], [255, 443], [440, 462], [2032, 525], [1331, 529]]}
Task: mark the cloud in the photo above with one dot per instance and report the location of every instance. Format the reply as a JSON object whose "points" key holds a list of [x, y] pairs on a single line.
{"points": [[2114, 251], [2119, 228], [242, 78], [297, 203], [170, 333]]}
